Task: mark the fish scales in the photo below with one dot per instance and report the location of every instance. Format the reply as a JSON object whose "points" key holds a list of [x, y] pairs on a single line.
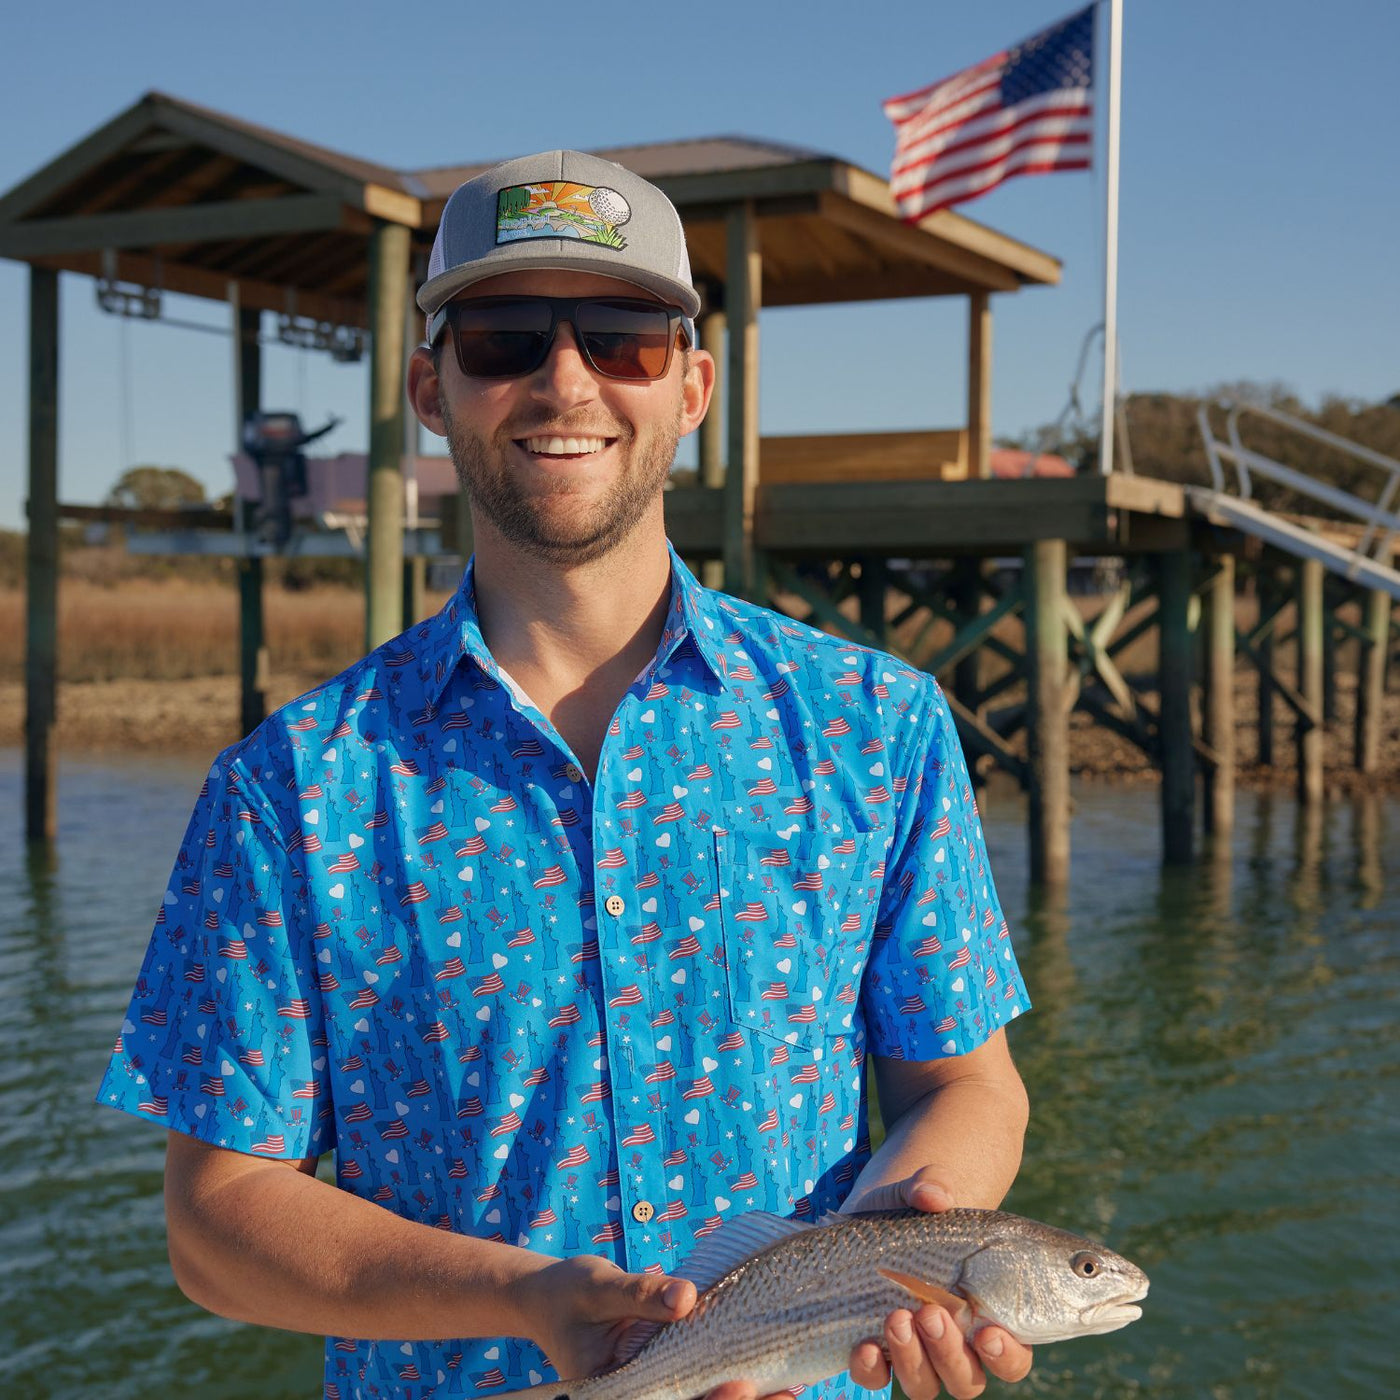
{"points": [[791, 1312]]}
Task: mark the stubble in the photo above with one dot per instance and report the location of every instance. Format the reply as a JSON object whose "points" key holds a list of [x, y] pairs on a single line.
{"points": [[524, 517]]}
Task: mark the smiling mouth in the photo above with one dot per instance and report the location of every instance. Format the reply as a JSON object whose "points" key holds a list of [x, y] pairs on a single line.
{"points": [[554, 446]]}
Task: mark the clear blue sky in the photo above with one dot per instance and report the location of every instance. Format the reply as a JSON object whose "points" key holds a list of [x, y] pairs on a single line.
{"points": [[1260, 200]]}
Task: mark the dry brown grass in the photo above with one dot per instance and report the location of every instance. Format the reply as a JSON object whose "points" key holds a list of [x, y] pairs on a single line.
{"points": [[171, 630]]}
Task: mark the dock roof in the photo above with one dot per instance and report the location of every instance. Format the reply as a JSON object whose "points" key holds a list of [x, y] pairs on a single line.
{"points": [[173, 195]]}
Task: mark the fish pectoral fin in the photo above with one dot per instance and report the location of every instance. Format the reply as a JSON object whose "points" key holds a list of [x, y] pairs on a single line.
{"points": [[927, 1292]]}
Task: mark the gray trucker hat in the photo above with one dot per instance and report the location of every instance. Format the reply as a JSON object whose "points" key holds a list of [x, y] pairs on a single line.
{"points": [[561, 210]]}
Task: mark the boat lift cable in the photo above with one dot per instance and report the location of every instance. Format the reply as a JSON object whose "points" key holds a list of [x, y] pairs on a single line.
{"points": [[1073, 418]]}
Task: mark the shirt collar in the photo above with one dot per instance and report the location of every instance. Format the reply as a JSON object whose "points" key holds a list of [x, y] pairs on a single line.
{"points": [[455, 632]]}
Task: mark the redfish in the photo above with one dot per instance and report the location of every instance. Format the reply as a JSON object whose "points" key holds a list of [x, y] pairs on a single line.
{"points": [[782, 1302]]}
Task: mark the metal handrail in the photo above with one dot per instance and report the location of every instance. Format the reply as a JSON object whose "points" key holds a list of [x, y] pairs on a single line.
{"points": [[1378, 516]]}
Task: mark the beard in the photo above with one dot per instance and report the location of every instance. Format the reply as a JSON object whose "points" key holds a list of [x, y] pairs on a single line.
{"points": [[524, 516]]}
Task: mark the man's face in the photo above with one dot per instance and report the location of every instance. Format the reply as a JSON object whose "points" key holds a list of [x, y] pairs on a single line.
{"points": [[563, 463]]}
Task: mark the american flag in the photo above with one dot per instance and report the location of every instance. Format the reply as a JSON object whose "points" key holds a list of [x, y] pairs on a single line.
{"points": [[1024, 111]]}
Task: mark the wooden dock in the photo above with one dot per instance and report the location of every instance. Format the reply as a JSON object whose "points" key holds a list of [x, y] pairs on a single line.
{"points": [[869, 535]]}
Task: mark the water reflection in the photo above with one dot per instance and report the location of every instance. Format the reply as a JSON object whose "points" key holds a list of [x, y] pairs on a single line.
{"points": [[1367, 831], [1213, 1061]]}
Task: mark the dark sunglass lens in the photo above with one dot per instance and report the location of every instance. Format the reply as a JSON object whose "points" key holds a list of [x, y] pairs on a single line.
{"points": [[626, 340], [500, 339]]}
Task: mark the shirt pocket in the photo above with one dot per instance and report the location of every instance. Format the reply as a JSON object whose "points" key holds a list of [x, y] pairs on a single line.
{"points": [[797, 916]]}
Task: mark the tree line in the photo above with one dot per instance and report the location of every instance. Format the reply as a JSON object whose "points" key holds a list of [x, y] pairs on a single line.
{"points": [[1165, 440]]}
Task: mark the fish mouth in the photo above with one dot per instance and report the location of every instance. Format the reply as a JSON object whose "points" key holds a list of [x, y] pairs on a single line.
{"points": [[1115, 1313]]}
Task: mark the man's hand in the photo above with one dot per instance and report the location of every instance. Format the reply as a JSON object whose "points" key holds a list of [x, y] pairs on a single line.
{"points": [[578, 1308], [927, 1350]]}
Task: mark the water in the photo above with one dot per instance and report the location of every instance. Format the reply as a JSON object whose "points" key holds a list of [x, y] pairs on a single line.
{"points": [[1212, 1063]]}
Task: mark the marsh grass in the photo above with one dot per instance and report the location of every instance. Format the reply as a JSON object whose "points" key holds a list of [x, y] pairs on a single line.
{"points": [[170, 630]]}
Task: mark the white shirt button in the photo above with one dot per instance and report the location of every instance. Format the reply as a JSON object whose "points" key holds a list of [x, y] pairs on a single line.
{"points": [[574, 773], [615, 904]]}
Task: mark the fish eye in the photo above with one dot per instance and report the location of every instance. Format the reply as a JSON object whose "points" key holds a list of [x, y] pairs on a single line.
{"points": [[1086, 1265]]}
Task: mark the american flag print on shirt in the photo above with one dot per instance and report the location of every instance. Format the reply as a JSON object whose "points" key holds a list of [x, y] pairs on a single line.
{"points": [[1024, 111], [659, 986]]}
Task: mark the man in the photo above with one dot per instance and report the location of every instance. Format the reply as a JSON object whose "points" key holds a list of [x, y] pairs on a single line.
{"points": [[646, 873]]}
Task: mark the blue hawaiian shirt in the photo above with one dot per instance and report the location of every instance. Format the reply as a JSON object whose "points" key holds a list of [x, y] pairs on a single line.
{"points": [[579, 1017]]}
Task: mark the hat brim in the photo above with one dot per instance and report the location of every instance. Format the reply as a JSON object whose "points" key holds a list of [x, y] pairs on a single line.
{"points": [[442, 288]]}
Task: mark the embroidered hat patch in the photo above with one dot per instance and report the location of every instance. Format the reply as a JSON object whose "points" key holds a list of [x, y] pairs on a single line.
{"points": [[561, 209]]}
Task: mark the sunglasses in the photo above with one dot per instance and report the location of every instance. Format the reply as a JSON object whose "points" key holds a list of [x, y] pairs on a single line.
{"points": [[507, 337]]}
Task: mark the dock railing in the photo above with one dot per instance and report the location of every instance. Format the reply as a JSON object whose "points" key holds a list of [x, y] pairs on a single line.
{"points": [[1379, 516]]}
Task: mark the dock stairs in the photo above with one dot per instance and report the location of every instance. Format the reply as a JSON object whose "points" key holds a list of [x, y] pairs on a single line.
{"points": [[1368, 563]]}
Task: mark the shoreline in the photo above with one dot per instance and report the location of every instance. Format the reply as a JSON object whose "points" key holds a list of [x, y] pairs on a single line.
{"points": [[196, 717]]}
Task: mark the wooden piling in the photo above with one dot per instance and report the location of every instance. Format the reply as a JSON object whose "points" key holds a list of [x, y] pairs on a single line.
{"points": [[1178, 756], [979, 385], [1370, 681], [1267, 593], [254, 663], [743, 293], [1047, 735], [873, 583], [1308, 732], [388, 284], [41, 568], [710, 328], [968, 590], [1219, 711], [1329, 658]]}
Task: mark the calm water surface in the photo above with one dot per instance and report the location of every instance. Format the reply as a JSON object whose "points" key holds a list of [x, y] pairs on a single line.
{"points": [[1212, 1061]]}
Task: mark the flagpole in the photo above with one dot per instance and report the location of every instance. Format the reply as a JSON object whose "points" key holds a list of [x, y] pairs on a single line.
{"points": [[1110, 289]]}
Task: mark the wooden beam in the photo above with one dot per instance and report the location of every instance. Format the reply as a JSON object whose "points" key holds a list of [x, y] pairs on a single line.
{"points": [[146, 175], [820, 288], [186, 224], [955, 230], [824, 605], [213, 286], [1370, 680], [743, 294], [976, 735], [393, 206], [908, 243], [41, 566], [695, 521], [287, 164], [737, 187], [921, 518], [389, 250], [1300, 706], [78, 160], [1048, 724], [151, 518], [979, 385], [1219, 711], [1308, 737], [970, 636]]}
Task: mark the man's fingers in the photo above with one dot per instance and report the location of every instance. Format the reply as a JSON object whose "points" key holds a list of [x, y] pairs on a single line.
{"points": [[868, 1367], [656, 1297], [957, 1367], [734, 1390], [1003, 1355], [923, 1193], [908, 1360]]}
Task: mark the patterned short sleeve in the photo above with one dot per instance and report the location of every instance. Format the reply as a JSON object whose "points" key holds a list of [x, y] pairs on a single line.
{"points": [[224, 1038], [942, 976]]}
